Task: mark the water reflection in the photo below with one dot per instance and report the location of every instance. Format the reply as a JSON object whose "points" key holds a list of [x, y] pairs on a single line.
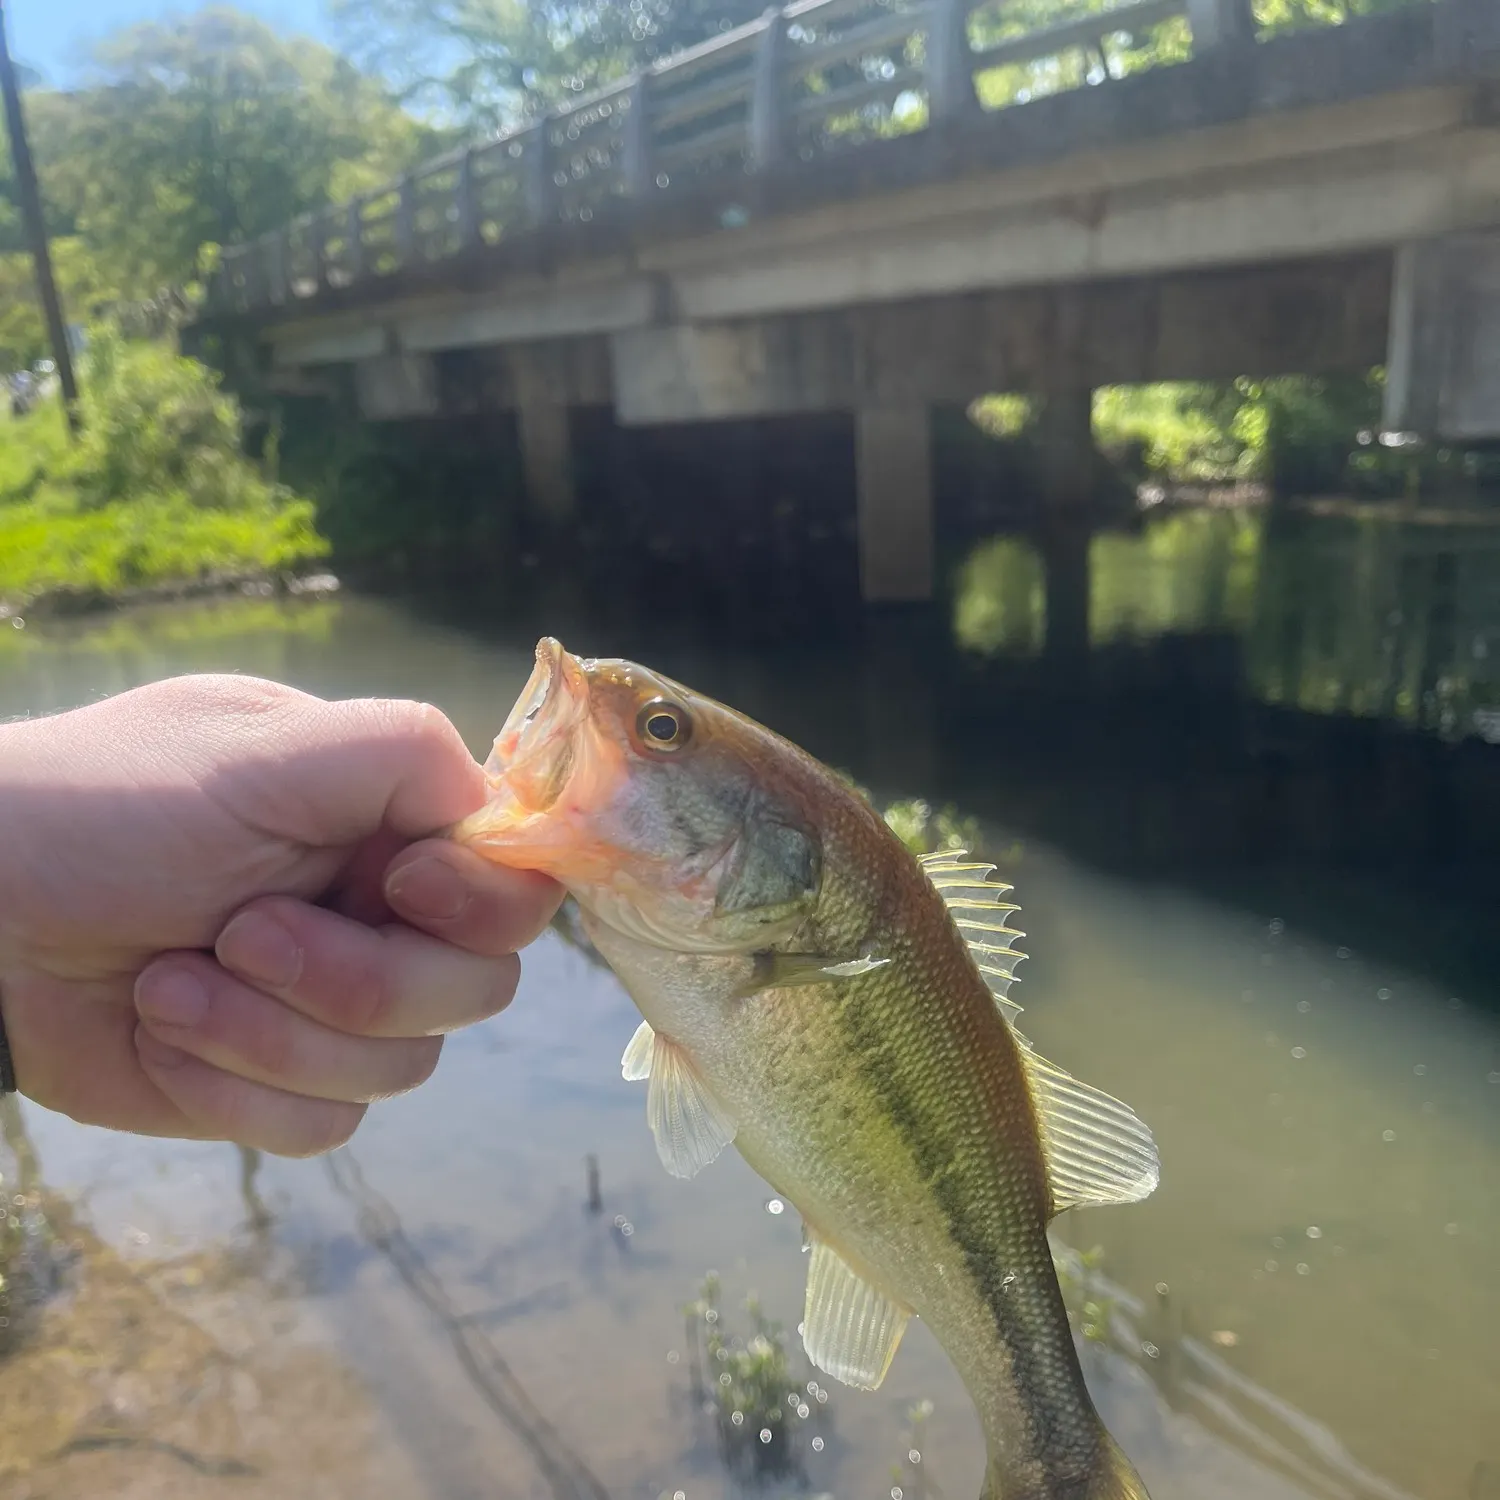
{"points": [[1317, 1052], [1338, 609]]}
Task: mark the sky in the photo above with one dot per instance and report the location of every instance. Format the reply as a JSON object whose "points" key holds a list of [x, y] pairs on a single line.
{"points": [[51, 35]]}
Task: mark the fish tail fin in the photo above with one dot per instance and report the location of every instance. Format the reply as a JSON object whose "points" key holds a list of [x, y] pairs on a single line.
{"points": [[1113, 1478]]}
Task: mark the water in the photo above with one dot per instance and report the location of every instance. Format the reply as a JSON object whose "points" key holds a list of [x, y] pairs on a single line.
{"points": [[1235, 924]]}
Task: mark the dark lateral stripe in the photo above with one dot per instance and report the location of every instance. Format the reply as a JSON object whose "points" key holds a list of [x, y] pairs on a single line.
{"points": [[1023, 1309]]}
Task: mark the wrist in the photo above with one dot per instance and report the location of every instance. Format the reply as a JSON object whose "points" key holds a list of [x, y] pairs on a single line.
{"points": [[12, 856], [19, 847]]}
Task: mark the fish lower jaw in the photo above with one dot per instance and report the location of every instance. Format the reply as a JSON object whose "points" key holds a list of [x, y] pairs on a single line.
{"points": [[509, 833]]}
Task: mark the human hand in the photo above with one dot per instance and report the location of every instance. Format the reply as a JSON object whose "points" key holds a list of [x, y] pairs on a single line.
{"points": [[214, 919]]}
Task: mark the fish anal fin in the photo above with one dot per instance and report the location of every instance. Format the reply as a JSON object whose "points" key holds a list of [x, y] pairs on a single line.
{"points": [[1096, 1149], [691, 1126], [850, 1327]]}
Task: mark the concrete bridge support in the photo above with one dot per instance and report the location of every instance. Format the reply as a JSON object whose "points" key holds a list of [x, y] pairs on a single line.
{"points": [[893, 471], [544, 432], [1070, 470], [1443, 363]]}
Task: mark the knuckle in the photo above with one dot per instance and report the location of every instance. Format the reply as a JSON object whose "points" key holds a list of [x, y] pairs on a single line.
{"points": [[370, 1001], [355, 992], [406, 718], [226, 693], [269, 1043]]}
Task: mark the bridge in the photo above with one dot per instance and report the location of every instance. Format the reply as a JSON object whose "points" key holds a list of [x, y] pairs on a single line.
{"points": [[846, 206]]}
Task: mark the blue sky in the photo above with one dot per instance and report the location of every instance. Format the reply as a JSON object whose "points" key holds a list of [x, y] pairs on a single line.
{"points": [[50, 35]]}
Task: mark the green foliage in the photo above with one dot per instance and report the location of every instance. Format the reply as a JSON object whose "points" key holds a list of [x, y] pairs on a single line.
{"points": [[156, 491], [1090, 1303], [1289, 15], [46, 114], [925, 832], [911, 1475], [1120, 54], [760, 1408], [194, 633], [1298, 434], [1006, 415], [1175, 429], [83, 283], [209, 129], [1190, 571], [1000, 599], [1185, 571], [494, 62], [28, 1263]]}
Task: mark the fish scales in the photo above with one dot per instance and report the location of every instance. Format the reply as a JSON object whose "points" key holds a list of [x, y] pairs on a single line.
{"points": [[808, 994]]}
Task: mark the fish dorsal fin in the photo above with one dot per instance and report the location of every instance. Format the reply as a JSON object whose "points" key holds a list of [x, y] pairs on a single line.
{"points": [[850, 1328], [1097, 1150], [972, 897], [691, 1127]]}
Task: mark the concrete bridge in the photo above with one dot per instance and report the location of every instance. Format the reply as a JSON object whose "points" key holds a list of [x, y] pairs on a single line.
{"points": [[819, 212]]}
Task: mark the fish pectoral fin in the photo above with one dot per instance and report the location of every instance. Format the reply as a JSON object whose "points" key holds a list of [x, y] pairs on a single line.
{"points": [[635, 1064], [780, 971], [850, 1327], [691, 1126], [1096, 1149]]}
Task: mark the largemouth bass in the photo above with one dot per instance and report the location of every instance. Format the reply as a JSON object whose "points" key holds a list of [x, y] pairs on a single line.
{"points": [[837, 1009]]}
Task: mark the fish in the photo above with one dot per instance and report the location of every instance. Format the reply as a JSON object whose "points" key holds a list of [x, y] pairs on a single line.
{"points": [[839, 1010]]}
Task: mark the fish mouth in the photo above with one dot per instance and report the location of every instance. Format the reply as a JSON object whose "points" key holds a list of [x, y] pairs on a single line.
{"points": [[534, 754]]}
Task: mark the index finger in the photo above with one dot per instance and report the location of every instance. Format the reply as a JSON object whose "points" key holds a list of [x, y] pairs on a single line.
{"points": [[471, 902]]}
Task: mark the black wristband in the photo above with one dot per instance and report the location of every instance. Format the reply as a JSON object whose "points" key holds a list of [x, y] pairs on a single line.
{"points": [[7, 1063]]}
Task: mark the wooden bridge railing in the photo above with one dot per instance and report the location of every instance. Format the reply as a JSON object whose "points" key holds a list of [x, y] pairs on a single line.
{"points": [[806, 80]]}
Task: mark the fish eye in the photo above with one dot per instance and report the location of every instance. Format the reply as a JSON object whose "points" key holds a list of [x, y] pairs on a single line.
{"points": [[663, 726]]}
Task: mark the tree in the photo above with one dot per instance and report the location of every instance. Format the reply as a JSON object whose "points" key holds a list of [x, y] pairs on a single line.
{"points": [[209, 130], [45, 118], [81, 279], [492, 63]]}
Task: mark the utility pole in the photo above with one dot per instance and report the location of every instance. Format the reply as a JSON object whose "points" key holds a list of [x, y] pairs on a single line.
{"points": [[36, 228]]}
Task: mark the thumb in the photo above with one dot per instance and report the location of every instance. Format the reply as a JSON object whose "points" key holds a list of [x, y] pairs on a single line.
{"points": [[403, 755], [316, 772]]}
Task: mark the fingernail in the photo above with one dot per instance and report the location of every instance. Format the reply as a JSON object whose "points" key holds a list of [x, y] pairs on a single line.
{"points": [[260, 949], [171, 997], [428, 887]]}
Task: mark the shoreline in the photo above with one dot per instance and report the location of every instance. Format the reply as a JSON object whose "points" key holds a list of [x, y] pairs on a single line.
{"points": [[65, 604]]}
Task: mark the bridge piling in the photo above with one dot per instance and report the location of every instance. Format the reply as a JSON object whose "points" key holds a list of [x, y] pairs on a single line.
{"points": [[1220, 23], [893, 474], [545, 435]]}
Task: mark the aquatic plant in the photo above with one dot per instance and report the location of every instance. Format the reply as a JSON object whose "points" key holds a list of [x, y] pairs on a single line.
{"points": [[762, 1412], [27, 1270], [923, 831], [911, 1477], [1091, 1309]]}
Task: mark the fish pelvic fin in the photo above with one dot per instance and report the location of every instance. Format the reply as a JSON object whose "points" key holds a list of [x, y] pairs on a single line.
{"points": [[1112, 1477]]}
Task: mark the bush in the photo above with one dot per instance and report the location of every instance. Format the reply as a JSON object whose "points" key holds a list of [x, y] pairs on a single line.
{"points": [[156, 492]]}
